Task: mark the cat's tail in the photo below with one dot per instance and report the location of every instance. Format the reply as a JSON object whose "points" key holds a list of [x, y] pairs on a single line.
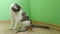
{"points": [[36, 26]]}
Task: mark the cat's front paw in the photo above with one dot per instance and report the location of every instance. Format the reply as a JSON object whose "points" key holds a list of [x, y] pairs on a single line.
{"points": [[10, 28], [13, 28]]}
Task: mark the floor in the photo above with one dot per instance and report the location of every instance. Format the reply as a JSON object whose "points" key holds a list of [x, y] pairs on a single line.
{"points": [[4, 29]]}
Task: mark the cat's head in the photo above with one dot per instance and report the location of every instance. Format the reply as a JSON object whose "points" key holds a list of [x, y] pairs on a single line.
{"points": [[15, 7]]}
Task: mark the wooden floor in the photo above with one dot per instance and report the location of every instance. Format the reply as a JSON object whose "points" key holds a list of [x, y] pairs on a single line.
{"points": [[4, 29]]}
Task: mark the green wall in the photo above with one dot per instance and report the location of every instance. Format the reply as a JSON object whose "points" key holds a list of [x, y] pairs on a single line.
{"points": [[46, 11], [5, 5]]}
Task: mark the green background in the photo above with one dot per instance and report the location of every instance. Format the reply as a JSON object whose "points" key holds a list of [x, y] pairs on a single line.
{"points": [[47, 11], [5, 8]]}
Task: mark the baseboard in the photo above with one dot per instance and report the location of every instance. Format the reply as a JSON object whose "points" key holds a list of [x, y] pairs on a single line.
{"points": [[37, 23], [5, 22], [45, 24]]}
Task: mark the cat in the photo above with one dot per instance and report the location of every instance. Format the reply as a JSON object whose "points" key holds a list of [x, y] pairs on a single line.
{"points": [[19, 16]]}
